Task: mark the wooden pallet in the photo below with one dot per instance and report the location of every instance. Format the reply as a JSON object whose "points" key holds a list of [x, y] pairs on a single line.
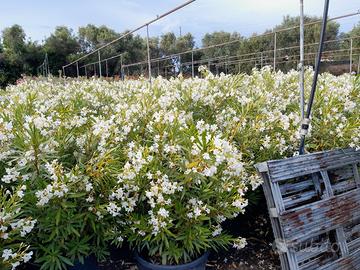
{"points": [[314, 206]]}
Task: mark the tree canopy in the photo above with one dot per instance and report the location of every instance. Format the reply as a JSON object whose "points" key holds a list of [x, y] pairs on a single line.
{"points": [[19, 55]]}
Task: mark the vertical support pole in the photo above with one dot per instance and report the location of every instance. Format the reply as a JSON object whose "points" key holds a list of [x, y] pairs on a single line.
{"points": [[122, 75], [99, 57], [226, 65], [77, 69], [158, 68], [274, 67], [47, 65], [351, 53], [63, 68], [301, 64], [148, 52], [85, 71], [192, 65], [106, 68], [180, 66]]}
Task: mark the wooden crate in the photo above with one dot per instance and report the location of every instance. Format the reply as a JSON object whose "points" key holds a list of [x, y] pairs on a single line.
{"points": [[314, 206]]}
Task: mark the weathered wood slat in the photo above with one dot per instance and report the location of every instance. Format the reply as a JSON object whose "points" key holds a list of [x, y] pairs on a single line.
{"points": [[315, 262], [299, 199], [341, 174], [313, 250], [350, 262], [354, 245], [344, 186], [289, 188], [320, 217], [350, 231], [302, 165]]}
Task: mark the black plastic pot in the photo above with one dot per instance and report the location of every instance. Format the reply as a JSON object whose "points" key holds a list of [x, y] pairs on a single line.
{"points": [[90, 263], [198, 264]]}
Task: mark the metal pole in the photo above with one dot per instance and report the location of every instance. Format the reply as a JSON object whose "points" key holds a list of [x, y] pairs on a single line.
{"points": [[148, 52], [351, 52], [85, 72], [121, 68], [274, 51], [47, 64], [301, 64], [63, 68], [99, 57], [106, 68], [192, 64], [306, 122], [77, 69]]}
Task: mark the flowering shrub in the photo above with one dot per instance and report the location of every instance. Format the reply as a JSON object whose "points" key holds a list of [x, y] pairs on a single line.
{"points": [[14, 227], [161, 166]]}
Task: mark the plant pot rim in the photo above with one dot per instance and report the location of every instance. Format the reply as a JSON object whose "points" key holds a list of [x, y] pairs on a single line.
{"points": [[201, 259]]}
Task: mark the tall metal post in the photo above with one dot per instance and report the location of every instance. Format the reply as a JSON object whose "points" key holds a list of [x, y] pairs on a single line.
{"points": [[99, 57], [192, 65], [351, 53], [274, 51], [85, 72], [148, 52], [158, 68], [121, 67], [63, 68], [47, 64], [77, 69], [301, 64], [106, 68]]}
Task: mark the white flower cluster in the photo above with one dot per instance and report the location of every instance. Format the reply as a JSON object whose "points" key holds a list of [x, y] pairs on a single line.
{"points": [[196, 209], [56, 189], [239, 243], [10, 255]]}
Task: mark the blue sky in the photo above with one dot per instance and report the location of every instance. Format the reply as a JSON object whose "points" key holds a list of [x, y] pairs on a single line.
{"points": [[39, 17]]}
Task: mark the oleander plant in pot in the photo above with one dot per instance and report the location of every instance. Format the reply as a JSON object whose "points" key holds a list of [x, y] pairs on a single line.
{"points": [[177, 185]]}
